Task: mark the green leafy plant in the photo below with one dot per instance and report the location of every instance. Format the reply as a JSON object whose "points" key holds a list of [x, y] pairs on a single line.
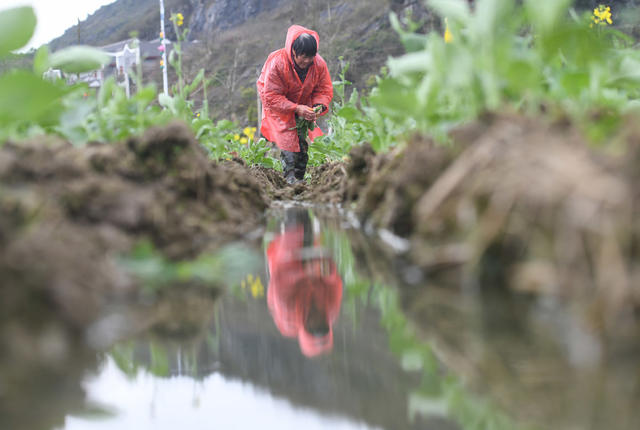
{"points": [[303, 126], [155, 271], [17, 26], [354, 121], [257, 153], [28, 104], [505, 54]]}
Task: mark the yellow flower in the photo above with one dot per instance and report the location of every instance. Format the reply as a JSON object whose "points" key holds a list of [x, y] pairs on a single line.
{"points": [[249, 132], [257, 289], [178, 19], [254, 284], [448, 37], [244, 140], [602, 15], [236, 137], [161, 63]]}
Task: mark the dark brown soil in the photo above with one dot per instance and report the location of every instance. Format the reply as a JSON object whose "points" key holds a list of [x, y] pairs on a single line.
{"points": [[67, 213], [514, 203]]}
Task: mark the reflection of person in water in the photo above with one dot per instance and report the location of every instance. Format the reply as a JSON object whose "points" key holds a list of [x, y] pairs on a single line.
{"points": [[305, 289]]}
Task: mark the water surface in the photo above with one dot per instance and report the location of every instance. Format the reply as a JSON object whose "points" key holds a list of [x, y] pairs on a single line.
{"points": [[329, 331]]}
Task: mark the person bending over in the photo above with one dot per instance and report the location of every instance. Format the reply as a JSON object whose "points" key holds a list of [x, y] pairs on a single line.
{"points": [[294, 83]]}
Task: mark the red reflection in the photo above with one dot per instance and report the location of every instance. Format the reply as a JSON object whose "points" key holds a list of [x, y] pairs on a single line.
{"points": [[305, 289]]}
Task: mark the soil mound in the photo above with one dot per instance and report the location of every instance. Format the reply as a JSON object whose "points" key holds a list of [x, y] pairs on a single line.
{"points": [[67, 213], [516, 202]]}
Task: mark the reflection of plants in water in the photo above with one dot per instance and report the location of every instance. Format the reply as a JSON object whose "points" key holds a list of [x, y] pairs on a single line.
{"points": [[130, 359], [356, 289], [158, 358], [124, 357], [439, 393], [156, 271], [250, 286], [253, 285], [162, 355]]}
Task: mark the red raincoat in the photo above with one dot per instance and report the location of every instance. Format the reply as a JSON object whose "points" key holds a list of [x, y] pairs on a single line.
{"points": [[281, 91], [293, 285]]}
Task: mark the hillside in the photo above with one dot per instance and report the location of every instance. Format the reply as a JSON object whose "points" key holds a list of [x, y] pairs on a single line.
{"points": [[235, 36], [118, 20]]}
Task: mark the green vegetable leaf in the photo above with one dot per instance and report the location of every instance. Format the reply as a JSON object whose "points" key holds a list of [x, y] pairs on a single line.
{"points": [[24, 96], [78, 59], [455, 10], [545, 14], [16, 28], [166, 101], [41, 61]]}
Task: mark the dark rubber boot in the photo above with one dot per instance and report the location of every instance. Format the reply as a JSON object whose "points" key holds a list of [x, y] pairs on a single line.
{"points": [[294, 164]]}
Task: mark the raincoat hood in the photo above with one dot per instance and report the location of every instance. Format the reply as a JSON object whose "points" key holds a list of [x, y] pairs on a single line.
{"points": [[292, 34]]}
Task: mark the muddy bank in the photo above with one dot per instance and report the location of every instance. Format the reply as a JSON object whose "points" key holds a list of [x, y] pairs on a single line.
{"points": [[66, 217], [67, 212], [520, 269], [514, 203]]}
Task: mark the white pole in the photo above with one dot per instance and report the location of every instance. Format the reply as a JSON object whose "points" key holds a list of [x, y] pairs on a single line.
{"points": [[165, 84], [127, 88]]}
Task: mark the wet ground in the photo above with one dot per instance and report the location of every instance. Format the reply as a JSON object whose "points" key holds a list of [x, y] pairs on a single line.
{"points": [[492, 283], [389, 355]]}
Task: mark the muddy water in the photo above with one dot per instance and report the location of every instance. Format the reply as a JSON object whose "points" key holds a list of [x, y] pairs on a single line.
{"points": [[331, 331]]}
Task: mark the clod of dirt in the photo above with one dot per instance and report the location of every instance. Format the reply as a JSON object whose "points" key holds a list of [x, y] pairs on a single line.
{"points": [[398, 181]]}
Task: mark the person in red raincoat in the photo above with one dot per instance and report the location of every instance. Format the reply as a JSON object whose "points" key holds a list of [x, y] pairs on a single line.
{"points": [[294, 80], [305, 289]]}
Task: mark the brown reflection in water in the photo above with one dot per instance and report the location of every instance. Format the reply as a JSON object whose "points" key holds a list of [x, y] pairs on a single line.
{"points": [[305, 289]]}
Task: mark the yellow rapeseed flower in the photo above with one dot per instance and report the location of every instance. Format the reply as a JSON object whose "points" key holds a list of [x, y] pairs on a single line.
{"points": [[257, 289], [602, 15], [178, 19], [254, 284], [249, 132]]}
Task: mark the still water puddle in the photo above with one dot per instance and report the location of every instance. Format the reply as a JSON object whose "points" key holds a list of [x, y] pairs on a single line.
{"points": [[215, 401], [305, 341]]}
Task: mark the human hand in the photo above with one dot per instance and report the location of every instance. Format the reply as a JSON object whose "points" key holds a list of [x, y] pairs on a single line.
{"points": [[319, 108], [306, 112]]}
